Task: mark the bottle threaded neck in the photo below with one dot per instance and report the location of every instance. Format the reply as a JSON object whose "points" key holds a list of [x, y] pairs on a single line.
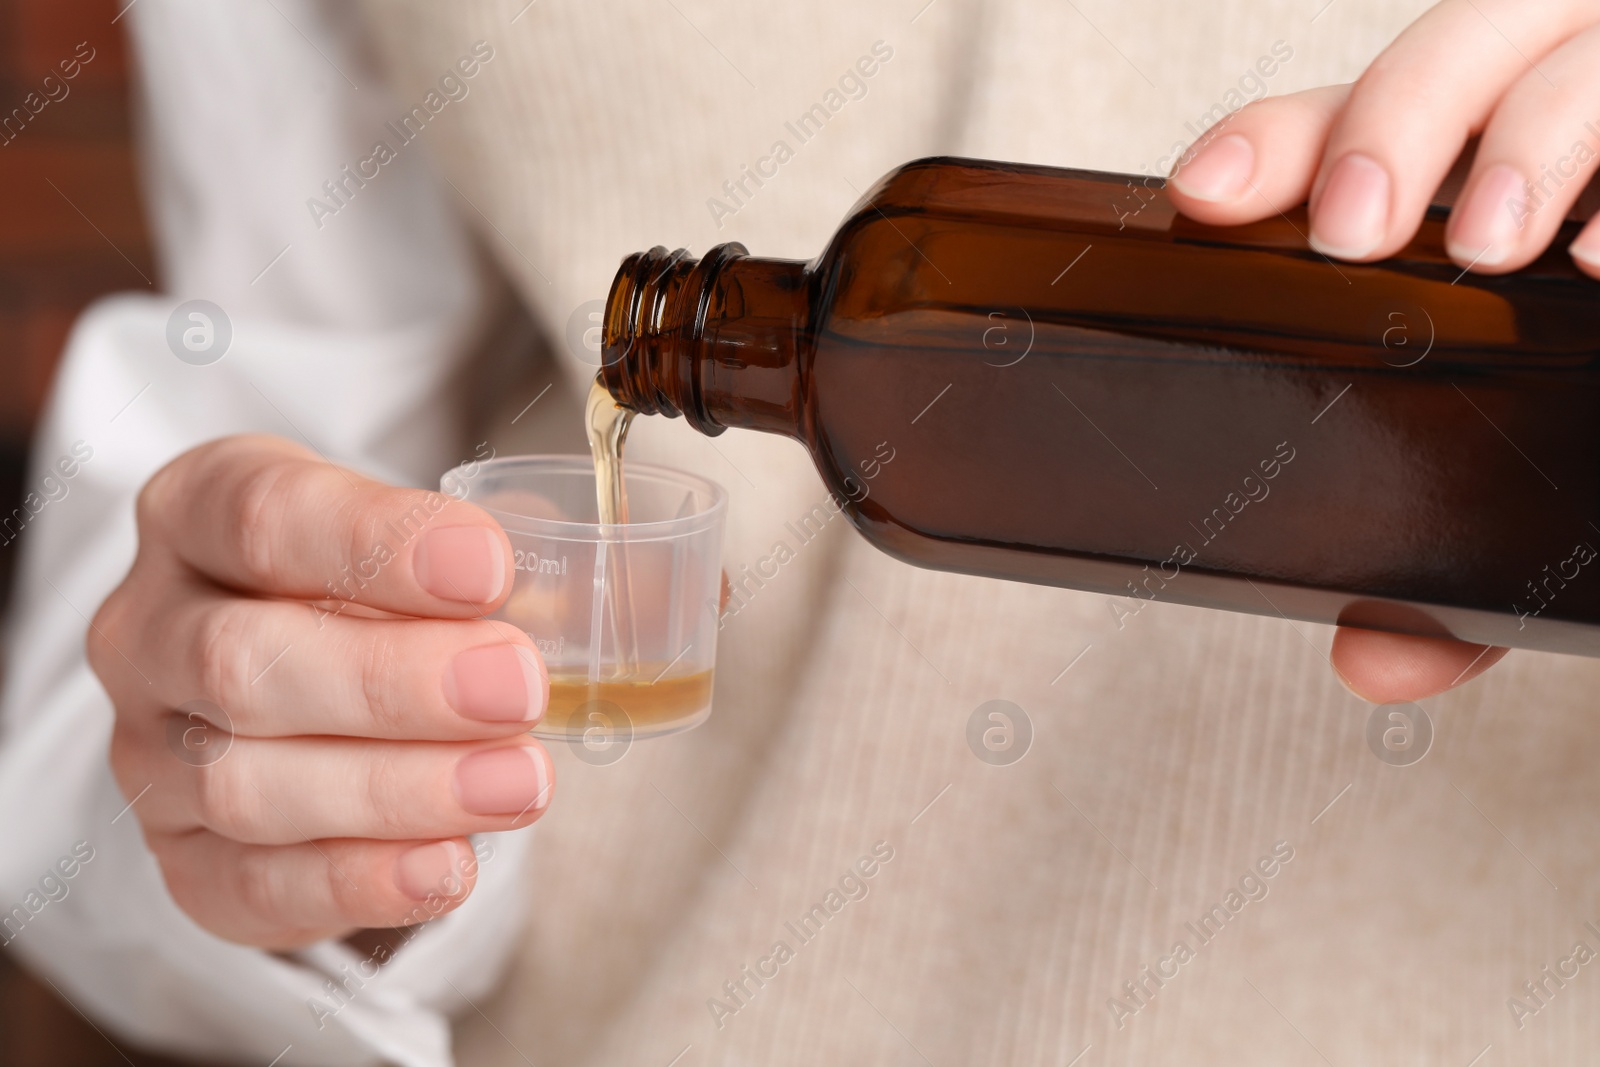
{"points": [[655, 328]]}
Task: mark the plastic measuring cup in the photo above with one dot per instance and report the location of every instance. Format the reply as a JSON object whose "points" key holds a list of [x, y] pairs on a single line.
{"points": [[625, 616]]}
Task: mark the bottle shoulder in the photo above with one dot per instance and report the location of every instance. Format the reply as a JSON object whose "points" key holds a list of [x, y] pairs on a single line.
{"points": [[1112, 205], [957, 187]]}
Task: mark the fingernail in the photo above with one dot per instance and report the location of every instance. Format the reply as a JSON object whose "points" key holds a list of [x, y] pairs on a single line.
{"points": [[461, 563], [503, 781], [1484, 229], [495, 683], [1353, 212], [428, 871], [1586, 249], [1221, 170]]}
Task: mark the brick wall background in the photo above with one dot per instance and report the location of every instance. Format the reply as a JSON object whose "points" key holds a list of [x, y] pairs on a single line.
{"points": [[70, 223], [70, 230]]}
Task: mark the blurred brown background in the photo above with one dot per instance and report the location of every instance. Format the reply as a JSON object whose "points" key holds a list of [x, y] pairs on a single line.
{"points": [[70, 231], [70, 225]]}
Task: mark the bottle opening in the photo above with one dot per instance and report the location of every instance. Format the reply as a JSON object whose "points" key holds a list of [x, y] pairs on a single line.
{"points": [[655, 325]]}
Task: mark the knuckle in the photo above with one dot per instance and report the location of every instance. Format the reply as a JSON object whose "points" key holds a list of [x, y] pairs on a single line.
{"points": [[382, 792], [362, 516], [379, 670], [185, 881], [260, 495], [100, 642], [221, 802], [377, 523], [224, 639], [262, 884], [125, 756], [349, 903], [173, 489], [156, 498]]}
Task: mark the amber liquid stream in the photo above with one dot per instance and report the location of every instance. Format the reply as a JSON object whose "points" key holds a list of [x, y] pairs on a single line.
{"points": [[650, 699], [607, 424]]}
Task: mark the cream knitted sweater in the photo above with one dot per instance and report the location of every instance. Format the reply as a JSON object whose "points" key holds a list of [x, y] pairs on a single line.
{"points": [[1199, 860]]}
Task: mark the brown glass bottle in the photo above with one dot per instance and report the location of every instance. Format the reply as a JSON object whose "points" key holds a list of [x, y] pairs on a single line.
{"points": [[1081, 387]]}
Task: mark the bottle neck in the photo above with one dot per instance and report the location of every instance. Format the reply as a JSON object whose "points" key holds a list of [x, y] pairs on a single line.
{"points": [[717, 340]]}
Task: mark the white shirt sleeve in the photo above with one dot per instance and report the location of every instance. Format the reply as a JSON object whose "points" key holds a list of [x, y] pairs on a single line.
{"points": [[348, 329]]}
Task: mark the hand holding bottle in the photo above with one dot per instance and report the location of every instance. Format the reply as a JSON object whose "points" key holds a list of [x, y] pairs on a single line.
{"points": [[1368, 158]]}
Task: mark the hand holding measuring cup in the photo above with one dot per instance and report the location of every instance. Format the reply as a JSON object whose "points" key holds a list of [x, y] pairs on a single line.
{"points": [[358, 715]]}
